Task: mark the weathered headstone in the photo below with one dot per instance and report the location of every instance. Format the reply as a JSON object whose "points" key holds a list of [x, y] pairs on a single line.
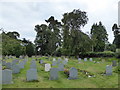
{"points": [[85, 59], [73, 73], [53, 74], [114, 63], [60, 67], [32, 75], [91, 59], [8, 65], [108, 70], [15, 69], [6, 76], [47, 67]]}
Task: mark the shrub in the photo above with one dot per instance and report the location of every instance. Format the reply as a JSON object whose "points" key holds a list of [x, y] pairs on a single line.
{"points": [[98, 54]]}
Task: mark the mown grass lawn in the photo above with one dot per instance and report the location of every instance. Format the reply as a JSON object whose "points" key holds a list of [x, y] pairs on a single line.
{"points": [[99, 81]]}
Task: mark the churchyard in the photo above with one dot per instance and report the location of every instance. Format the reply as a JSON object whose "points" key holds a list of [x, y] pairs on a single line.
{"points": [[59, 72]]}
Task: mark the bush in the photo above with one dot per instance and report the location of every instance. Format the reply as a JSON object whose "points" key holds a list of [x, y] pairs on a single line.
{"points": [[98, 54]]}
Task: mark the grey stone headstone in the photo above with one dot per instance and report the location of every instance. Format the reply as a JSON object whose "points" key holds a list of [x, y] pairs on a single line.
{"points": [[3, 63], [59, 61], [41, 61], [21, 65], [15, 69], [6, 76], [73, 73], [108, 70], [8, 65], [33, 65], [114, 63], [47, 67], [64, 62], [60, 67], [54, 63], [91, 59], [53, 74], [32, 75], [79, 59], [85, 59]]}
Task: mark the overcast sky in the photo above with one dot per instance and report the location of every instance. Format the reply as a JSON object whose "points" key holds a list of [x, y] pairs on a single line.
{"points": [[22, 16]]}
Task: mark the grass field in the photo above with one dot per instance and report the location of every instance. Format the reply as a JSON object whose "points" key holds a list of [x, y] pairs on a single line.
{"points": [[99, 81]]}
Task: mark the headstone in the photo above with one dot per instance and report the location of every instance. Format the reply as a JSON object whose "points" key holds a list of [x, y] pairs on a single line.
{"points": [[3, 63], [54, 63], [59, 60], [6, 76], [47, 67], [54, 59], [79, 60], [21, 65], [66, 59], [14, 62], [31, 75], [91, 59], [108, 70], [73, 73], [85, 59], [8, 65], [60, 67], [41, 61], [64, 62], [33, 65], [114, 63], [15, 69], [53, 74]]}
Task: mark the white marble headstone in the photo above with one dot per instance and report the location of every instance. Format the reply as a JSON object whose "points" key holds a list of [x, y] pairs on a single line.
{"points": [[47, 67]]}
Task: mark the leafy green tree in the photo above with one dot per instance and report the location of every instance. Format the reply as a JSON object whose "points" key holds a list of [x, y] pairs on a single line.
{"points": [[116, 31], [74, 40], [13, 35], [99, 37], [29, 47], [11, 46], [48, 38]]}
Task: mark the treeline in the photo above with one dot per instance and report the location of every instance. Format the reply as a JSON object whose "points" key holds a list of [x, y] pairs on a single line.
{"points": [[11, 45], [64, 37]]}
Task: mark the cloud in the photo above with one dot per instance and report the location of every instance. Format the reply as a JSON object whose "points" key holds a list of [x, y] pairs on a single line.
{"points": [[23, 15]]}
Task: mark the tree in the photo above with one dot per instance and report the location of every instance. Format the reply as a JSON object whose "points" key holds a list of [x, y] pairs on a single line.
{"points": [[99, 37], [48, 38], [11, 46], [13, 35], [74, 40], [116, 31]]}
